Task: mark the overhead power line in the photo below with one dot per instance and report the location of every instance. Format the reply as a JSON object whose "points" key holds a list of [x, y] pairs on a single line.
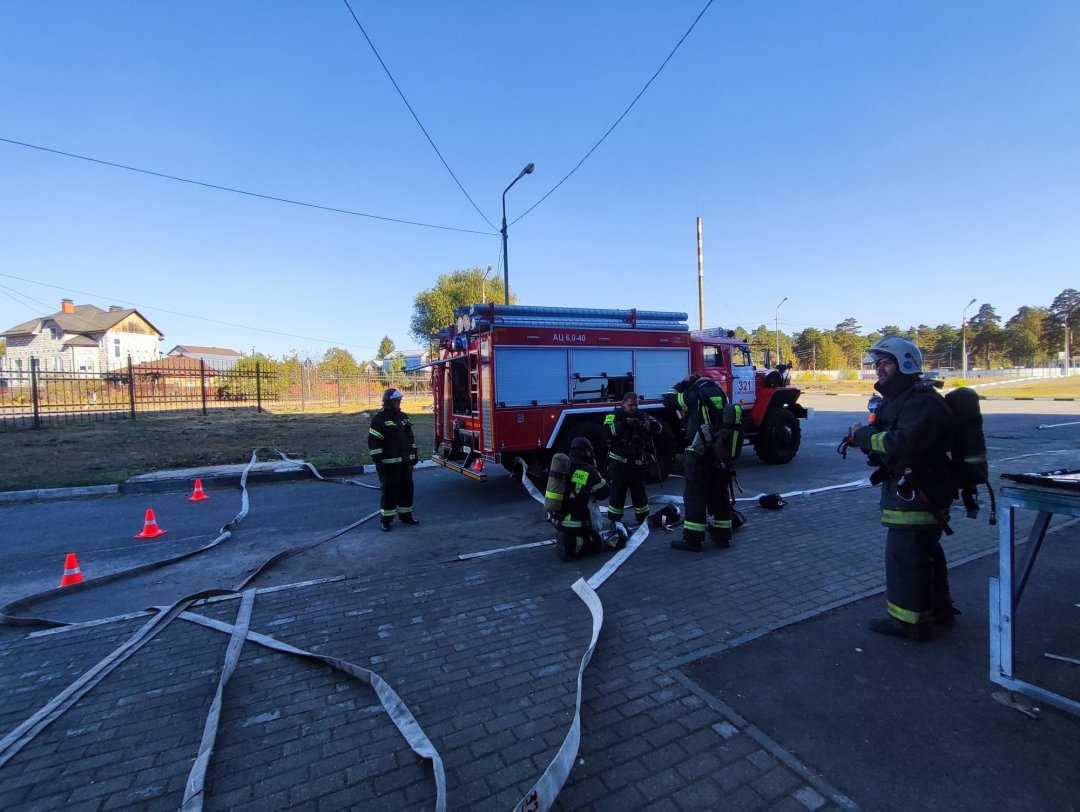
{"points": [[621, 117], [416, 118], [188, 315], [242, 191]]}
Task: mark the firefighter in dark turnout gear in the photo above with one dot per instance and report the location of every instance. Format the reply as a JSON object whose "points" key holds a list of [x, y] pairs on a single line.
{"points": [[909, 441], [629, 456], [577, 531], [708, 472], [393, 450]]}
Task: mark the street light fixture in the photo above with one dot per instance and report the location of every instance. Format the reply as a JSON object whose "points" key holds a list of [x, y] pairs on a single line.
{"points": [[506, 268], [777, 330], [963, 337], [483, 285]]}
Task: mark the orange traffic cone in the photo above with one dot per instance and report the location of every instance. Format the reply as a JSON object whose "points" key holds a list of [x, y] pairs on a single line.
{"points": [[150, 529], [479, 464], [72, 573], [198, 495]]}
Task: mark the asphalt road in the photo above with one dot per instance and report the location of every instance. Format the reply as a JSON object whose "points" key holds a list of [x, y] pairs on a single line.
{"points": [[486, 651], [458, 516]]}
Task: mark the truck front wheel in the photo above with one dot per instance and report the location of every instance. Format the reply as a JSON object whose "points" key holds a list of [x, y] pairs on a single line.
{"points": [[778, 438]]}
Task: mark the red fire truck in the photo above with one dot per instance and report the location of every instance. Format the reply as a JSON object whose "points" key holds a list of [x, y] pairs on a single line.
{"points": [[516, 381]]}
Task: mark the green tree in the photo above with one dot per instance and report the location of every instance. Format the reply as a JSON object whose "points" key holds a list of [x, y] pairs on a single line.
{"points": [[272, 381], [1063, 311], [1024, 333], [397, 370], [851, 345], [339, 362], [805, 348], [433, 309], [386, 347], [829, 353], [985, 337], [945, 347]]}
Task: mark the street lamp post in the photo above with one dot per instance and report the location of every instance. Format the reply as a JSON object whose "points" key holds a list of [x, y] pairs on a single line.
{"points": [[963, 337], [506, 267], [777, 330], [483, 286], [1068, 315]]}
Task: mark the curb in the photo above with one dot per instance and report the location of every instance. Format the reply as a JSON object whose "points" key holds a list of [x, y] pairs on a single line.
{"points": [[182, 482]]}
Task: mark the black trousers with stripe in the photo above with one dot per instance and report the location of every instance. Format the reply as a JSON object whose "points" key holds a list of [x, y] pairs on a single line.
{"points": [[397, 489]]}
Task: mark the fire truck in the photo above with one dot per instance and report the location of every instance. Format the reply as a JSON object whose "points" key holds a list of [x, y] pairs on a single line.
{"points": [[517, 381]]}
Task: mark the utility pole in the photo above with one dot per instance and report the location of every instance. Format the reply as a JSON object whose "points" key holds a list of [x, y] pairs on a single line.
{"points": [[700, 280]]}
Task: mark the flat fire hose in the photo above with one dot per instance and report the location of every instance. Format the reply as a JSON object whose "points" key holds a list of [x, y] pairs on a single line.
{"points": [[8, 612], [14, 741], [396, 709], [542, 795], [196, 783]]}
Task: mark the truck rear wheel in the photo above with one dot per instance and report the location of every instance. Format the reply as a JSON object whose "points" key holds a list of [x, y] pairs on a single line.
{"points": [[778, 438]]}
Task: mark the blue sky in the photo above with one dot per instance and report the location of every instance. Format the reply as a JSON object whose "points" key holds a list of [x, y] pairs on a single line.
{"points": [[877, 160]]}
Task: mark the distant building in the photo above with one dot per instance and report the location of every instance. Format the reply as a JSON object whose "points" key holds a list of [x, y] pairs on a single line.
{"points": [[82, 338], [217, 357], [414, 359]]}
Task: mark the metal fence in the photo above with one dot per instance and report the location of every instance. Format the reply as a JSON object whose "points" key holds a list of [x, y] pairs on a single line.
{"points": [[37, 398]]}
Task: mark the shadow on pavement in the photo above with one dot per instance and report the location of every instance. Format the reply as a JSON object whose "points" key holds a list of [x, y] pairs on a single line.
{"points": [[913, 726]]}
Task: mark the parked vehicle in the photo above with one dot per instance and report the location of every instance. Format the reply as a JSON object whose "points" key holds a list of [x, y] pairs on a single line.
{"points": [[514, 381]]}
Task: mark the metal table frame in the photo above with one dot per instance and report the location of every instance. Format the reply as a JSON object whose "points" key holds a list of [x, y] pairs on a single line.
{"points": [[1006, 589]]}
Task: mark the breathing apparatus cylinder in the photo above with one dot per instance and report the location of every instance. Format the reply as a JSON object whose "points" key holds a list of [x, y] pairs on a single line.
{"points": [[556, 484]]}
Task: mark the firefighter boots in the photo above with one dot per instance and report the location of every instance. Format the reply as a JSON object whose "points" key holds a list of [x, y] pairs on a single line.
{"points": [[721, 536], [685, 544], [407, 518], [891, 627], [945, 616]]}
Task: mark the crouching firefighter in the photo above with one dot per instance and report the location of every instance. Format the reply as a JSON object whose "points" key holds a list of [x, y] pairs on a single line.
{"points": [[575, 514], [712, 438], [393, 450], [629, 457], [908, 442]]}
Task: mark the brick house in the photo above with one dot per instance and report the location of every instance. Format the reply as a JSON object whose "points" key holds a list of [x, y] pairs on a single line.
{"points": [[82, 338]]}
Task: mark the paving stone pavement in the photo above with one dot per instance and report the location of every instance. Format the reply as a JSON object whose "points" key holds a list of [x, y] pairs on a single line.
{"points": [[485, 653]]}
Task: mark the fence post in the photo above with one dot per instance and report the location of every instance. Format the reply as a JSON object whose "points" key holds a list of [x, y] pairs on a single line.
{"points": [[131, 387], [303, 389], [34, 392], [258, 388], [202, 383], [339, 388]]}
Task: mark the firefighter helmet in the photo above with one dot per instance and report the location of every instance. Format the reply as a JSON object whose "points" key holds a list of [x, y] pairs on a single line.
{"points": [[908, 357], [771, 501], [389, 395], [581, 444], [581, 448]]}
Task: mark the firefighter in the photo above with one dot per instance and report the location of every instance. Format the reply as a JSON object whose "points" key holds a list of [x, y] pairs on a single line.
{"points": [[708, 472], [909, 441], [629, 455], [577, 534], [393, 449]]}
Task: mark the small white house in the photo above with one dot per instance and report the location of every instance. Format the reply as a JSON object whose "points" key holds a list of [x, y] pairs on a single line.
{"points": [[82, 338]]}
